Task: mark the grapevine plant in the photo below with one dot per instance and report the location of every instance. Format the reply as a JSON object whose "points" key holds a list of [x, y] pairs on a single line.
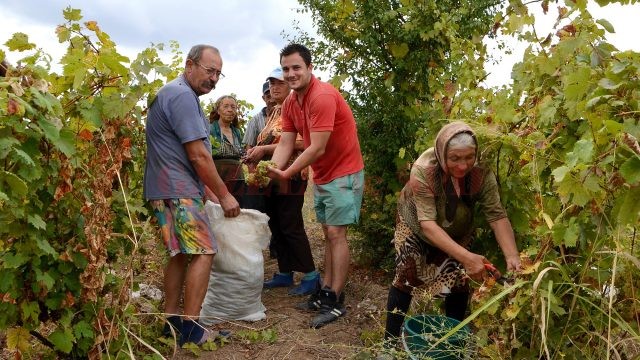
{"points": [[71, 164], [562, 139]]}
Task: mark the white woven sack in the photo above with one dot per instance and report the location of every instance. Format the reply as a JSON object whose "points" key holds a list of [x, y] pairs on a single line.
{"points": [[237, 274]]}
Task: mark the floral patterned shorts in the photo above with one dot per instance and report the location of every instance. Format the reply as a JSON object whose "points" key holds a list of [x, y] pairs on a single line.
{"points": [[185, 226]]}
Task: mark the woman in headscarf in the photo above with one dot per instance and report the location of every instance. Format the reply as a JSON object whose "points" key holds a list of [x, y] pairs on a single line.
{"points": [[227, 147], [434, 226]]}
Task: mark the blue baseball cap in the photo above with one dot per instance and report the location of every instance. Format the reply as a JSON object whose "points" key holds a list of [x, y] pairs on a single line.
{"points": [[265, 87], [276, 74]]}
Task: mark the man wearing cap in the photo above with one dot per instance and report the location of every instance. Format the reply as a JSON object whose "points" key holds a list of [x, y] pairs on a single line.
{"points": [[284, 203], [318, 111], [256, 123], [254, 198]]}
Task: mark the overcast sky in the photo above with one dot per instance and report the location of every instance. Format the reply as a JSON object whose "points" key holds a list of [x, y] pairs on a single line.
{"points": [[247, 32]]}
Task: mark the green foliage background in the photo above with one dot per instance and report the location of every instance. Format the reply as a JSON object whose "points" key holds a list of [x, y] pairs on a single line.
{"points": [[72, 155], [561, 140]]}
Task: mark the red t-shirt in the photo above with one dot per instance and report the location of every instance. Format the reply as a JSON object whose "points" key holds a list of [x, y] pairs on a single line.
{"points": [[324, 109]]}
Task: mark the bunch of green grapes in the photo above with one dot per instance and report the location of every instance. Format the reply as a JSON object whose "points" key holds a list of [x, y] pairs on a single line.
{"points": [[259, 176]]}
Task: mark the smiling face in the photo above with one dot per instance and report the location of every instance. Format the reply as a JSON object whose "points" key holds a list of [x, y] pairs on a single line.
{"points": [[296, 72], [228, 110], [203, 74], [460, 160]]}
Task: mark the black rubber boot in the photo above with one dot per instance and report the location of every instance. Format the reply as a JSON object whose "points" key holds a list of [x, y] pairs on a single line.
{"points": [[455, 305], [398, 304]]}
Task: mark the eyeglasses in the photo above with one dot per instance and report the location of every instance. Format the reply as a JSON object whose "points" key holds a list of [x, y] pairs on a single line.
{"points": [[211, 71]]}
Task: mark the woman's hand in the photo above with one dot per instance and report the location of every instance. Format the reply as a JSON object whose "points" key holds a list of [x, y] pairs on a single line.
{"points": [[513, 262], [230, 206], [255, 154], [474, 266]]}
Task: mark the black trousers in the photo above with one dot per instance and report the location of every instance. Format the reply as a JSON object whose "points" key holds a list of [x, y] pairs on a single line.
{"points": [[398, 302], [290, 241], [254, 198]]}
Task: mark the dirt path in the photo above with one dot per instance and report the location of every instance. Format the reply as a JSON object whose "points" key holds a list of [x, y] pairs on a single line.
{"points": [[366, 294]]}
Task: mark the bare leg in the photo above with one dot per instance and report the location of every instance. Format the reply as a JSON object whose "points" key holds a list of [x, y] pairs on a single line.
{"points": [[337, 262], [197, 281], [328, 273], [174, 275]]}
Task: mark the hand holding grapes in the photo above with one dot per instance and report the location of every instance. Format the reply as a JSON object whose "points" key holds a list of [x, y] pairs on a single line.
{"points": [[258, 177]]}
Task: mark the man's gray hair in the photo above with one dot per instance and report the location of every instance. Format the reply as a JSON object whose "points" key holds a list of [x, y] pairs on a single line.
{"points": [[462, 140], [195, 54]]}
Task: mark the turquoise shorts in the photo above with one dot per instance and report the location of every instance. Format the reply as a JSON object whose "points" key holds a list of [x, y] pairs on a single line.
{"points": [[338, 202], [184, 226]]}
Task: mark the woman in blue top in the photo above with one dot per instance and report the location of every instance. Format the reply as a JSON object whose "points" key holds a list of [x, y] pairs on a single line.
{"points": [[226, 142]]}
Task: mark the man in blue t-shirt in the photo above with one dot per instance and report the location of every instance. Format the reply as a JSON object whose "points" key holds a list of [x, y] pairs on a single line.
{"points": [[179, 176]]}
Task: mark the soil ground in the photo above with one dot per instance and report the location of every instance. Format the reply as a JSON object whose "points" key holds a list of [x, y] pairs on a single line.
{"points": [[347, 337]]}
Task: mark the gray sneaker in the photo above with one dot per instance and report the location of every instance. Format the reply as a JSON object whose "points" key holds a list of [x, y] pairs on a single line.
{"points": [[328, 314]]}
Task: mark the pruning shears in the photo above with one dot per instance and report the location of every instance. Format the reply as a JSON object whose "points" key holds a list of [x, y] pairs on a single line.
{"points": [[492, 270], [495, 274]]}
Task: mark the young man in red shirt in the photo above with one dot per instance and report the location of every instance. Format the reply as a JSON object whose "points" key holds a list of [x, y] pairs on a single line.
{"points": [[318, 112]]}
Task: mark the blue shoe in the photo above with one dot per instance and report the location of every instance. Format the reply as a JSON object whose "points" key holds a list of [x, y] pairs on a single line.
{"points": [[174, 322], [306, 287], [193, 332], [279, 280]]}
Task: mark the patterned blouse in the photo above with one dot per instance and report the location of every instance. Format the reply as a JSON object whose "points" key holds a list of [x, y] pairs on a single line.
{"points": [[430, 195], [223, 148], [273, 131]]}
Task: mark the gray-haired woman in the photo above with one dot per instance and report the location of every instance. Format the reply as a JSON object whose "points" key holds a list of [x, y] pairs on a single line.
{"points": [[434, 227]]}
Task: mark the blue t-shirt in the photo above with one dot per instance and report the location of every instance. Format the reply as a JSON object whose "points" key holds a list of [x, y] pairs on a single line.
{"points": [[175, 118]]}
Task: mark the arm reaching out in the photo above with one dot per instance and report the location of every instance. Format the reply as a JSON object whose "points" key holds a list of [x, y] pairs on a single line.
{"points": [[506, 239], [309, 155], [472, 262]]}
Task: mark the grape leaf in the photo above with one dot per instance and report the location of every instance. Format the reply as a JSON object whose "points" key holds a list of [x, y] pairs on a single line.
{"points": [[83, 329], [19, 42], [606, 25], [399, 50], [30, 310], [62, 340], [630, 170], [26, 159], [16, 184], [13, 261], [18, 339], [630, 207], [45, 278], [36, 221], [71, 14], [44, 245]]}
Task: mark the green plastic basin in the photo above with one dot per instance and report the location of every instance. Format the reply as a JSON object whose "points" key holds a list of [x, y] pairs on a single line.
{"points": [[421, 332]]}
